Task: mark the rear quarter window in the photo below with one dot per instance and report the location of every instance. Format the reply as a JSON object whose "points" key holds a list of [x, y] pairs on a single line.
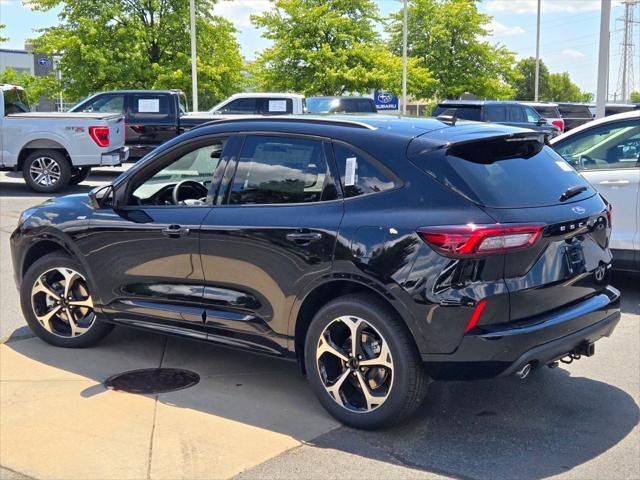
{"points": [[574, 111], [500, 174], [547, 112]]}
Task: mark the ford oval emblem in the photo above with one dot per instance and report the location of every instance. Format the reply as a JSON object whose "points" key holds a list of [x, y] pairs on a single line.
{"points": [[578, 210]]}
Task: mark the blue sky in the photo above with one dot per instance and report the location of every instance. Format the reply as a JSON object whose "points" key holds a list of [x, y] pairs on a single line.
{"points": [[569, 31]]}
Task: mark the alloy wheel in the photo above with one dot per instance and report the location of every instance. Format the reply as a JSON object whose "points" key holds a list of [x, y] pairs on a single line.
{"points": [[62, 303], [45, 171], [355, 364]]}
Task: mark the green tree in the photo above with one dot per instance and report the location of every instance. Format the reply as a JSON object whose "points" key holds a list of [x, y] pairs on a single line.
{"points": [[2, 27], [447, 37], [35, 87], [141, 44], [634, 97], [562, 89], [329, 47], [525, 85]]}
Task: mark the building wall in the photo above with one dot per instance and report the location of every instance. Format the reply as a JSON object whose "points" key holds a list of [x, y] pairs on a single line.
{"points": [[19, 60]]}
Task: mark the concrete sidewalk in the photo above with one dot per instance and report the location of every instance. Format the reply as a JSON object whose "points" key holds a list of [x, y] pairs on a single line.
{"points": [[58, 421]]}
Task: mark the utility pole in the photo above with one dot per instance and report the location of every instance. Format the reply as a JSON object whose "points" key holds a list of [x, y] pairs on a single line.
{"points": [[404, 59], [603, 58], [537, 79], [194, 69]]}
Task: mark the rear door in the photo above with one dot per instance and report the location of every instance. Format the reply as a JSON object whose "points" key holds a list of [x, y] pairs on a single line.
{"points": [[607, 156], [272, 231], [151, 121]]}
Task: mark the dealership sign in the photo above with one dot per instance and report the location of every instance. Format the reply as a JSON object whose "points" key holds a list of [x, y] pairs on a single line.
{"points": [[385, 100]]}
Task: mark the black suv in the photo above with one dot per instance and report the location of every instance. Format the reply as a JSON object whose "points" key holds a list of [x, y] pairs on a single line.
{"points": [[377, 252], [515, 114]]}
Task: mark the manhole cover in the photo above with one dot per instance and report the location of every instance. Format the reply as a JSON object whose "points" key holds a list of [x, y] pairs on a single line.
{"points": [[152, 380]]}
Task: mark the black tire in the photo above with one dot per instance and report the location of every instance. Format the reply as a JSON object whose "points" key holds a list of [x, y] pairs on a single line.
{"points": [[60, 165], [79, 175], [410, 382], [97, 329]]}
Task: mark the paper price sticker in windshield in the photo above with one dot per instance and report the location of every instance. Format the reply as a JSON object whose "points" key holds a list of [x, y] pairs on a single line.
{"points": [[564, 166], [350, 172]]}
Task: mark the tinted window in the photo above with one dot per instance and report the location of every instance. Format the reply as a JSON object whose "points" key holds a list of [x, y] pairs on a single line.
{"points": [[358, 174], [150, 106], [104, 104], [532, 115], [15, 101], [182, 103], [275, 170], [355, 105], [547, 111], [504, 174], [465, 113], [574, 111], [240, 106], [275, 106], [495, 113], [607, 146]]}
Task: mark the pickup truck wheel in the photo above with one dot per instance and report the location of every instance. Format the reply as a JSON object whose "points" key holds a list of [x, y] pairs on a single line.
{"points": [[79, 175], [46, 171]]}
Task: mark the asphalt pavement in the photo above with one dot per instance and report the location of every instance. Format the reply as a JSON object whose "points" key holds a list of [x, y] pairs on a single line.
{"points": [[254, 417]]}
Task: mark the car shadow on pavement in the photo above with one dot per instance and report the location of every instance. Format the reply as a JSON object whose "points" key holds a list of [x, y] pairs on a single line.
{"points": [[19, 188], [496, 429]]}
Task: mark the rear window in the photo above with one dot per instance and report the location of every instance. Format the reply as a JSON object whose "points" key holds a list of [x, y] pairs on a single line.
{"points": [[574, 111], [465, 113], [547, 112], [504, 174]]}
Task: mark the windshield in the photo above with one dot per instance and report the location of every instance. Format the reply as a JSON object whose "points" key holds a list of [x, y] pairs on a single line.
{"points": [[15, 101]]}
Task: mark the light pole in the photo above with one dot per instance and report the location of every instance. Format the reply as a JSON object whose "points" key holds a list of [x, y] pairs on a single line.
{"points": [[537, 80], [404, 59], [603, 58], [194, 69]]}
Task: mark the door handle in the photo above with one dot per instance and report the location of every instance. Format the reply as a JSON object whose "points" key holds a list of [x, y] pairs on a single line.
{"points": [[302, 238], [175, 231], [614, 182]]}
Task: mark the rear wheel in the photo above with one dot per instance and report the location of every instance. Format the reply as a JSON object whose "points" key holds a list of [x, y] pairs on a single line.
{"points": [[57, 303], [363, 364], [79, 175], [46, 171]]}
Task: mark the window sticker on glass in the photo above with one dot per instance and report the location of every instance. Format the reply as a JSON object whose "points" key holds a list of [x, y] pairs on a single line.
{"points": [[564, 166], [277, 105], [149, 105], [350, 171]]}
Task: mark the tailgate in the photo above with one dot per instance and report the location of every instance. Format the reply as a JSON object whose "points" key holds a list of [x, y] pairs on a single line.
{"points": [[117, 131]]}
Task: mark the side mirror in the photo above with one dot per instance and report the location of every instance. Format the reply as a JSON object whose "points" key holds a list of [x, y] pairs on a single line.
{"points": [[100, 197]]}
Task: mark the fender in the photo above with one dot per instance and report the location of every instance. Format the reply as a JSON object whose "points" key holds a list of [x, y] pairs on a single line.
{"points": [[35, 137]]}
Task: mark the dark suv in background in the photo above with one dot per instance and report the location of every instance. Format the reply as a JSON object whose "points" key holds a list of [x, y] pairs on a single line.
{"points": [[504, 112], [375, 251], [343, 104]]}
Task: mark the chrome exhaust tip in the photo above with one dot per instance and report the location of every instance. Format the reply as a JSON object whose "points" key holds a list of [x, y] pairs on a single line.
{"points": [[523, 372]]}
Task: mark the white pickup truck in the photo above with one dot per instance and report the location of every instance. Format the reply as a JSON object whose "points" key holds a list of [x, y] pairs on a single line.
{"points": [[55, 149]]}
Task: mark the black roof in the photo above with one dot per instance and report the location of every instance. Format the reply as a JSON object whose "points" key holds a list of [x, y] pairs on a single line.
{"points": [[479, 103]]}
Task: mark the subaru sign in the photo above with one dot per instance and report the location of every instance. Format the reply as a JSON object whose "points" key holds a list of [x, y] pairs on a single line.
{"points": [[385, 100], [44, 62]]}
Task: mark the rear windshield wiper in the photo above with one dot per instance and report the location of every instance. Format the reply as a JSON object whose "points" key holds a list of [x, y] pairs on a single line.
{"points": [[572, 192]]}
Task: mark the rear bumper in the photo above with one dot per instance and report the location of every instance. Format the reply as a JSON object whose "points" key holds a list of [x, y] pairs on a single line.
{"points": [[504, 351], [115, 157]]}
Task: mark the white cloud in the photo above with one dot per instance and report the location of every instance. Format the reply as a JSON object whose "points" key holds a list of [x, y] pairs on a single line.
{"points": [[239, 11], [497, 28], [571, 53], [548, 6]]}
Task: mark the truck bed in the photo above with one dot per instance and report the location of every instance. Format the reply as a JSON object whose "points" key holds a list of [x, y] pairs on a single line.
{"points": [[76, 115]]}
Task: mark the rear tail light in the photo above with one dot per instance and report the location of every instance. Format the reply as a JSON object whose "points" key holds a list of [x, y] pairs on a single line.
{"points": [[100, 135], [475, 316], [473, 240], [559, 124]]}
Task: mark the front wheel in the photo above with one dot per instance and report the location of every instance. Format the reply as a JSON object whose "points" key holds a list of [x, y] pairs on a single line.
{"points": [[363, 364], [57, 303]]}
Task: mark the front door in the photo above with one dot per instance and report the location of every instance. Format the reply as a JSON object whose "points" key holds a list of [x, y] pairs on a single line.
{"points": [[273, 232], [146, 250]]}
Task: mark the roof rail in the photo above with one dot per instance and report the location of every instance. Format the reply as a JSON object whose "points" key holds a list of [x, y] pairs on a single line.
{"points": [[289, 119]]}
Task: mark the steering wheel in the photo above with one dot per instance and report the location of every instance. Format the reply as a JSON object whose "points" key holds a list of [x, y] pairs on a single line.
{"points": [[584, 160], [196, 186]]}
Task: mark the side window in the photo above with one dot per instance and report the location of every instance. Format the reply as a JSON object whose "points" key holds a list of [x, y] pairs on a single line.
{"points": [[105, 104], [240, 106], [516, 114], [495, 113], [195, 168], [606, 147], [359, 175], [276, 170], [532, 115], [275, 106], [148, 107]]}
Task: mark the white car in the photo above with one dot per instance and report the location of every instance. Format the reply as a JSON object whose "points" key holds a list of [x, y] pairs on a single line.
{"points": [[607, 153], [261, 104], [55, 149]]}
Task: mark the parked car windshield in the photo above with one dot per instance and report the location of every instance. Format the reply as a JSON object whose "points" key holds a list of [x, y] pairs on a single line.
{"points": [[15, 101]]}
